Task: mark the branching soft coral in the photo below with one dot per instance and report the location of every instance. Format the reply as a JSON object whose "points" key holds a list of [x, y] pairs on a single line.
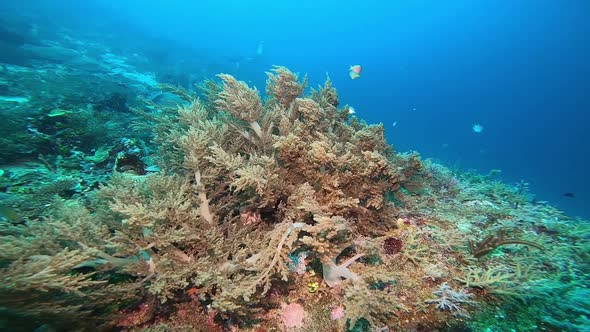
{"points": [[309, 112], [320, 172], [242, 102], [312, 176], [42, 278], [333, 273], [283, 85], [326, 95]]}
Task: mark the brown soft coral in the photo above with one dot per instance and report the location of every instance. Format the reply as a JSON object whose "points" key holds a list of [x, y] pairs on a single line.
{"points": [[246, 183], [326, 95], [242, 102], [283, 85], [313, 181]]}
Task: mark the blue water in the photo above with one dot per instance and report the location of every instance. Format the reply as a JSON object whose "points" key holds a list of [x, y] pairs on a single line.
{"points": [[435, 68]]}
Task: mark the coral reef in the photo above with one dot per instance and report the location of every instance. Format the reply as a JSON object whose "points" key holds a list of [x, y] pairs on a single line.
{"points": [[283, 213]]}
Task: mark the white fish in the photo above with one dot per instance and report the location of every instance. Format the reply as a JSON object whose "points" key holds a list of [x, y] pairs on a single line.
{"points": [[394, 123], [260, 48], [477, 128], [351, 110]]}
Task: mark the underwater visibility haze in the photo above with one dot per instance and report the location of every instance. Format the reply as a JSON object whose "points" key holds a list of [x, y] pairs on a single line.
{"points": [[404, 165]]}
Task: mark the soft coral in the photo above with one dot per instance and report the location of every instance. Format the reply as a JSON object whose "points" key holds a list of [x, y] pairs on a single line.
{"points": [[333, 273]]}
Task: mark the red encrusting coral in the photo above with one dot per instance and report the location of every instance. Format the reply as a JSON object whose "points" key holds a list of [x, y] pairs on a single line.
{"points": [[392, 245]]}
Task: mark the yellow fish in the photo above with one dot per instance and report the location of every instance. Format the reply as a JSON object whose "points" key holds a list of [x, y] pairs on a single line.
{"points": [[355, 71]]}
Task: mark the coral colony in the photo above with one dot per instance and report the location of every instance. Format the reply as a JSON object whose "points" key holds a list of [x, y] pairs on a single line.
{"points": [[233, 212]]}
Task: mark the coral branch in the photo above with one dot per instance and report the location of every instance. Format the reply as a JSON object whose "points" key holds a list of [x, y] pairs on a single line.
{"points": [[238, 99], [333, 273], [277, 254], [491, 242], [204, 202], [283, 86]]}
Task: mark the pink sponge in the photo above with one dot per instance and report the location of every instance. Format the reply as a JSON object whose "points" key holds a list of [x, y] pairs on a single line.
{"points": [[293, 315]]}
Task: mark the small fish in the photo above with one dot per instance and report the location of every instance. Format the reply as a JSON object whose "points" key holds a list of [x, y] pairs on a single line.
{"points": [[355, 71], [9, 214], [570, 195], [260, 48], [394, 123], [58, 112], [477, 128], [351, 110], [14, 99]]}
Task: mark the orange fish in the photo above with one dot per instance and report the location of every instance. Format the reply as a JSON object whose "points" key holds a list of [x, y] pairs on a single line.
{"points": [[355, 71]]}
